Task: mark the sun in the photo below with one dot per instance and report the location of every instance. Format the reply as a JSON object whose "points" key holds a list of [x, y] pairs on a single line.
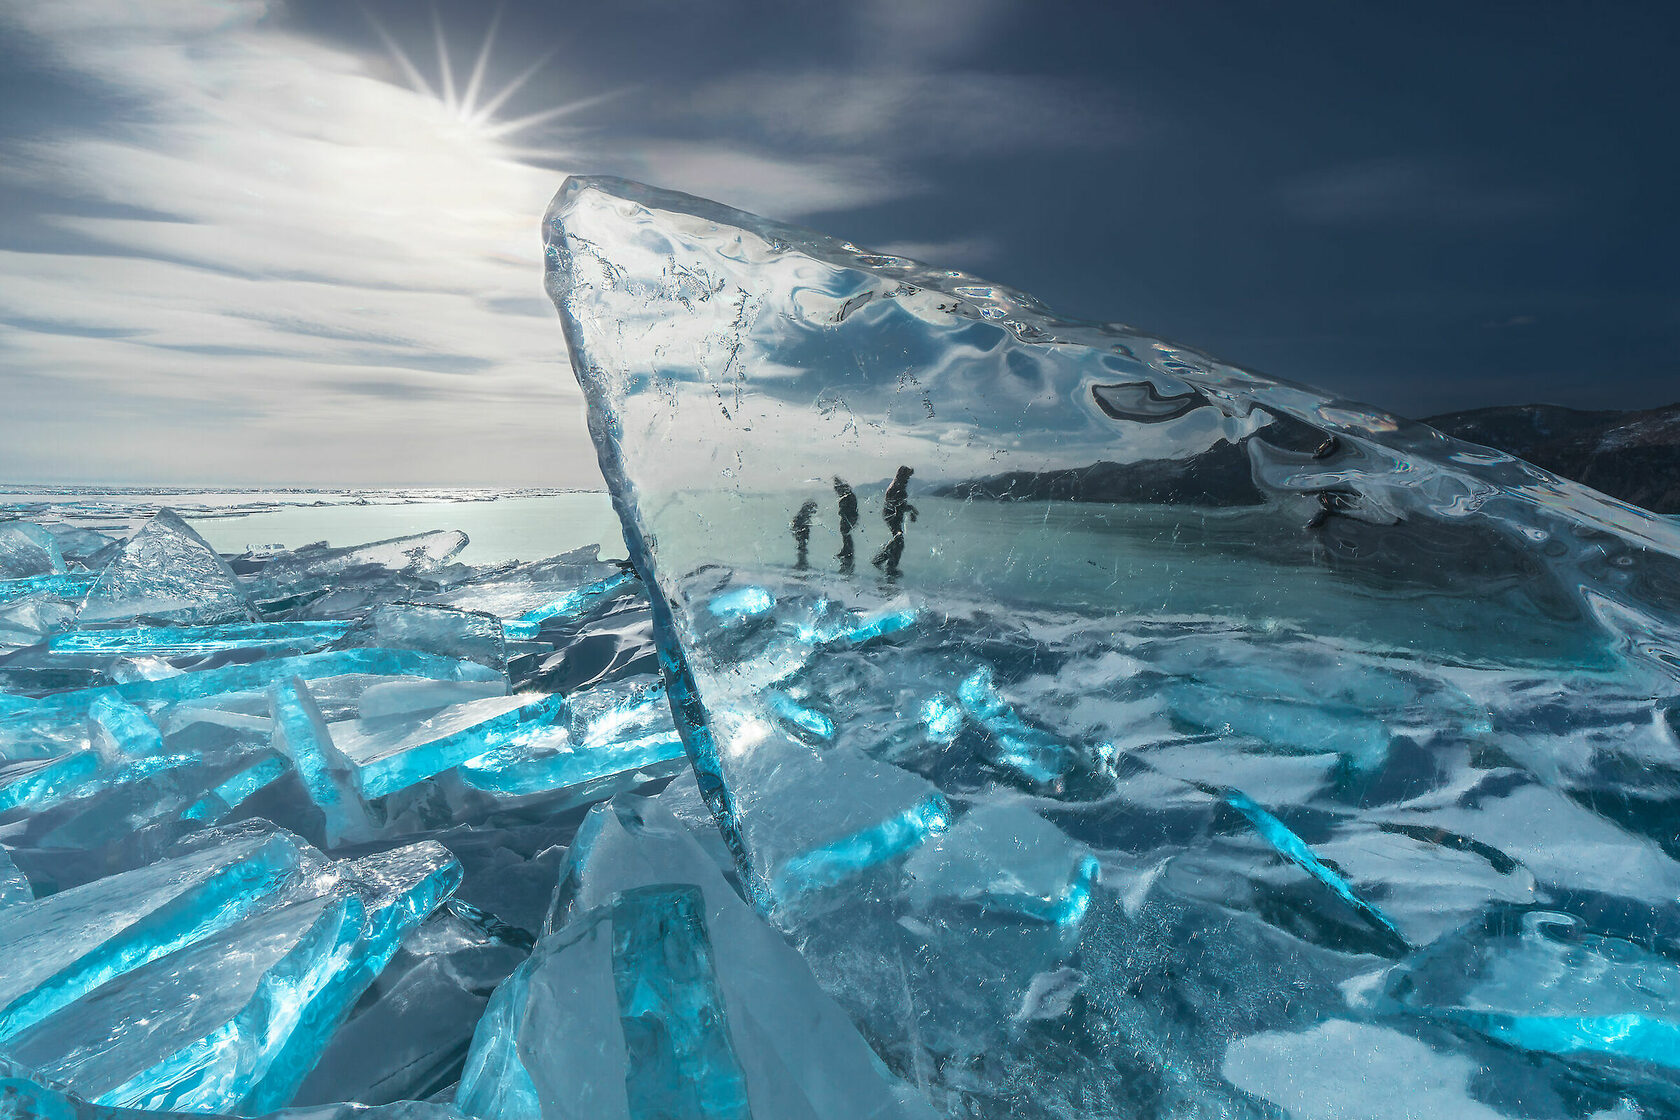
{"points": [[471, 110]]}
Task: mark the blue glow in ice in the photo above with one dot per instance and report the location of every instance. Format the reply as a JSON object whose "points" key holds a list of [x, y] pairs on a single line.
{"points": [[1016, 746], [529, 623], [841, 859], [1292, 848], [680, 1059], [301, 734], [68, 585], [258, 773], [390, 759], [70, 943], [120, 730], [943, 717], [740, 603], [178, 641], [803, 719]]}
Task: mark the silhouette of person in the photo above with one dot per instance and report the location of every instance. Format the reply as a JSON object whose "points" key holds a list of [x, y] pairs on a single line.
{"points": [[802, 532], [848, 521], [893, 508]]}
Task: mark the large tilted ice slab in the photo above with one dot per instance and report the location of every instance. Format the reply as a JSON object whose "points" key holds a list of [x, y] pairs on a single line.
{"points": [[1167, 739], [660, 994]]}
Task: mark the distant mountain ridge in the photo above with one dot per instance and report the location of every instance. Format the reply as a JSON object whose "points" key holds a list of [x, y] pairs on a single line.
{"points": [[1631, 455]]}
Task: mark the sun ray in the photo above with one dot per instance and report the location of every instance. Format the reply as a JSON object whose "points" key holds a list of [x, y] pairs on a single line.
{"points": [[475, 83], [400, 56], [446, 72], [519, 124], [513, 87]]}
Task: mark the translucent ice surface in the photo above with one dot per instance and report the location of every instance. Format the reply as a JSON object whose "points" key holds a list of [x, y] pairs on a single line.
{"points": [[166, 572], [1115, 731], [238, 797]]}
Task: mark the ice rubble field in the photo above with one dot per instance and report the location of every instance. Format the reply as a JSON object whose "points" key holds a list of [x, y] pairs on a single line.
{"points": [[1202, 747]]}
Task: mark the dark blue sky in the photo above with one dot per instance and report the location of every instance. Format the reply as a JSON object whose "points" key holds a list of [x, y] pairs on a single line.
{"points": [[247, 231]]}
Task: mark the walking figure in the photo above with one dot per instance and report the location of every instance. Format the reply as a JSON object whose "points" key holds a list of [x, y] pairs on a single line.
{"points": [[893, 508], [848, 520], [802, 532]]}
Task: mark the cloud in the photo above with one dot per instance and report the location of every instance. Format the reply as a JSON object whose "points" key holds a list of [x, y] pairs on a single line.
{"points": [[918, 113], [286, 268], [1408, 188]]}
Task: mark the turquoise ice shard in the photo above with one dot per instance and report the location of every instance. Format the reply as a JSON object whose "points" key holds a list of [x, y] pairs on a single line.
{"points": [[681, 1060], [391, 755], [1548, 982], [225, 1008], [1111, 581], [70, 585], [119, 730], [70, 943], [177, 641], [661, 994], [610, 730], [167, 573], [300, 733]]}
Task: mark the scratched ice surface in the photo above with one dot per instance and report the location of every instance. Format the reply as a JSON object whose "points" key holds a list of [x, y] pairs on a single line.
{"points": [[1117, 732]]}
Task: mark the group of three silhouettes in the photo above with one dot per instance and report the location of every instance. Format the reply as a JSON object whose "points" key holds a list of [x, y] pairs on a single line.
{"points": [[894, 506]]}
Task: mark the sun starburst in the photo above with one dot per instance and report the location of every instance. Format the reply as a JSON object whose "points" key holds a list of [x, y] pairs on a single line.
{"points": [[474, 108]]}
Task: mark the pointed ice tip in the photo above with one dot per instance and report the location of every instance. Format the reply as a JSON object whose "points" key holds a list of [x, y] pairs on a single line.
{"points": [[168, 573]]}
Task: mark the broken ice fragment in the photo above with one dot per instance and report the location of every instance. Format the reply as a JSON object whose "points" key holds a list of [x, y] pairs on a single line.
{"points": [[817, 821], [178, 641], [681, 1060], [610, 729], [232, 1020], [1545, 981], [661, 994], [1292, 848], [443, 631], [167, 573], [36, 782], [1014, 745], [301, 734], [70, 586], [68, 944], [246, 779], [296, 576], [389, 758], [119, 730], [529, 623], [1004, 858], [14, 885]]}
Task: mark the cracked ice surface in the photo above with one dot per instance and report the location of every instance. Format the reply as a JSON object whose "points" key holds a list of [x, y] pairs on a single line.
{"points": [[1171, 740]]}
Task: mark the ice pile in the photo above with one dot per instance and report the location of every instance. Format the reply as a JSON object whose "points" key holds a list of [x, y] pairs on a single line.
{"points": [[1113, 731], [272, 828]]}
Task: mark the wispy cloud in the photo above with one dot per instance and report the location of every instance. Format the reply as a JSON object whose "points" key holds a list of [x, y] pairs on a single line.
{"points": [[1411, 188], [313, 274]]}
